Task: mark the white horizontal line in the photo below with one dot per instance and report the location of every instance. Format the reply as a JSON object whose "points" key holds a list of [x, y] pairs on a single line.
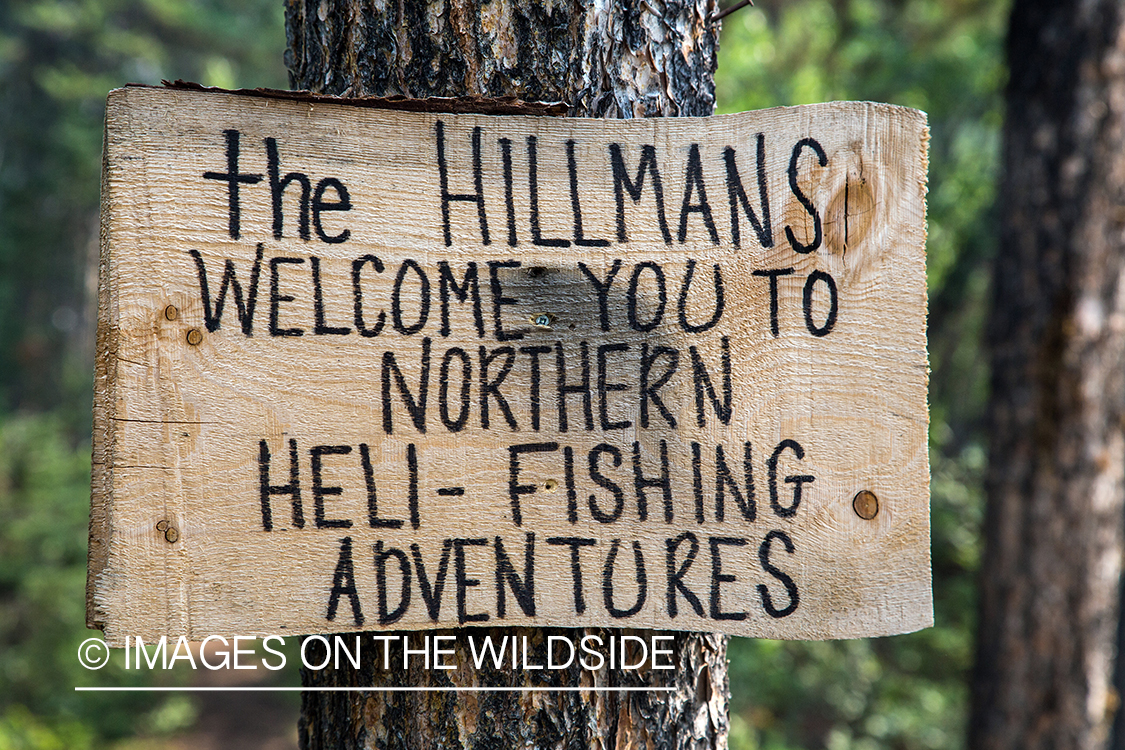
{"points": [[373, 689]]}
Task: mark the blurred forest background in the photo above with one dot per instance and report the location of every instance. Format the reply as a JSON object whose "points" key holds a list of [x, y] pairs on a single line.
{"points": [[58, 60]]}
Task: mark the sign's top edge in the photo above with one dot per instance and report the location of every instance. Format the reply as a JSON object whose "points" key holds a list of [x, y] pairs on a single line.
{"points": [[480, 105], [467, 105]]}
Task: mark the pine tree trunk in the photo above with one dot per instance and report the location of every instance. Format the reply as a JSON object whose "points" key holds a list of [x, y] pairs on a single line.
{"points": [[1052, 563], [604, 60]]}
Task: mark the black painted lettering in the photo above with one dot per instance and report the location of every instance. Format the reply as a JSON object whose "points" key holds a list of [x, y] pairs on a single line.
{"points": [[533, 197], [522, 589], [718, 577], [343, 584], [604, 387], [412, 485], [490, 389], [499, 300], [693, 183], [478, 184], [575, 204], [515, 489], [357, 294], [373, 519], [649, 388], [602, 289], [320, 328], [697, 480], [234, 180], [606, 483], [464, 583], [431, 593], [622, 184], [720, 299], [278, 185], [319, 491], [822, 160], [388, 616], [470, 285], [575, 544], [245, 307], [463, 402], [276, 297], [724, 482], [737, 195], [423, 298], [705, 389], [343, 202], [267, 490], [571, 489], [509, 198], [535, 401], [786, 581], [772, 274], [415, 407], [833, 303], [661, 298], [676, 574], [607, 581], [582, 387], [798, 481], [641, 483]]}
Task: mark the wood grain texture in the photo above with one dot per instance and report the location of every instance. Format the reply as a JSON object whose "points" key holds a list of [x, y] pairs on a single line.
{"points": [[179, 428]]}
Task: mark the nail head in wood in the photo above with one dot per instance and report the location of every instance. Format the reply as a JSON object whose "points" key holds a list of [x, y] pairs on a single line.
{"points": [[194, 337], [172, 535], [171, 313], [865, 504]]}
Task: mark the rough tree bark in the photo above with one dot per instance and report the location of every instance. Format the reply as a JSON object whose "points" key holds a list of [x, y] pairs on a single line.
{"points": [[605, 60], [1056, 481]]}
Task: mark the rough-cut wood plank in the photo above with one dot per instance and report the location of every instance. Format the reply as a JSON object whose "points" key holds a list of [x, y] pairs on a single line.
{"points": [[184, 408]]}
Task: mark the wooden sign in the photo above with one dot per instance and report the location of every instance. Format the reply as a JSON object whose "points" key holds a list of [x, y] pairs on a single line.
{"points": [[366, 369]]}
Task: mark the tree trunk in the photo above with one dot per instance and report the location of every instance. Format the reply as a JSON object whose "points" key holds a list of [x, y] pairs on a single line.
{"points": [[627, 59], [604, 60], [1054, 523]]}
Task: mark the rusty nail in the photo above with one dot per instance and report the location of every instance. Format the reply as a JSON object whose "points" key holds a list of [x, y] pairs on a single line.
{"points": [[161, 525], [865, 504], [171, 313], [194, 337], [172, 535], [543, 320]]}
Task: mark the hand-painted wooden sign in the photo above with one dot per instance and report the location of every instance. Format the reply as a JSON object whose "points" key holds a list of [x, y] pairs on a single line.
{"points": [[360, 368]]}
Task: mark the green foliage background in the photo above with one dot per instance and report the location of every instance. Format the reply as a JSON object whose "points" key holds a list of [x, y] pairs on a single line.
{"points": [[59, 58]]}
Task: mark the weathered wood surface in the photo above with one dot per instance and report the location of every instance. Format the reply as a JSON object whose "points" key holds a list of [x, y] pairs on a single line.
{"points": [[194, 530]]}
